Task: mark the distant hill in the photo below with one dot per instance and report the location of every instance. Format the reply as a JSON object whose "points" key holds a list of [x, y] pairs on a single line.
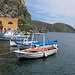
{"points": [[56, 27]]}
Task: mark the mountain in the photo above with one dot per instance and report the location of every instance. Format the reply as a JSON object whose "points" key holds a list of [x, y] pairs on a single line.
{"points": [[56, 27], [14, 9], [17, 9]]}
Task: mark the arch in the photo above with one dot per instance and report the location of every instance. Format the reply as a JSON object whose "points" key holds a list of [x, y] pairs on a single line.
{"points": [[10, 22]]}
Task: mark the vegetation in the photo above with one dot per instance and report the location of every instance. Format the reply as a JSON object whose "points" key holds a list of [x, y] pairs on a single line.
{"points": [[15, 9], [25, 25]]}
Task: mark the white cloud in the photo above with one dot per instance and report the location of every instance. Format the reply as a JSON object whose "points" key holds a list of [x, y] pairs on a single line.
{"points": [[52, 11]]}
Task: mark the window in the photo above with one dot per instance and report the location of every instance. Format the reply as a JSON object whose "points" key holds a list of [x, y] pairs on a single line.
{"points": [[4, 28], [0, 23]]}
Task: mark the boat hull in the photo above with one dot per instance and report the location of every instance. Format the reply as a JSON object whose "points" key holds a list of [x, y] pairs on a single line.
{"points": [[35, 54]]}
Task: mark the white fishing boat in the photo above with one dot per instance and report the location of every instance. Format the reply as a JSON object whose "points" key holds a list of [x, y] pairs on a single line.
{"points": [[14, 35], [38, 51], [20, 42]]}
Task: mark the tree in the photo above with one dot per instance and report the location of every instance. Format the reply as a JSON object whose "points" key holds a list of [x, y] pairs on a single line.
{"points": [[25, 25]]}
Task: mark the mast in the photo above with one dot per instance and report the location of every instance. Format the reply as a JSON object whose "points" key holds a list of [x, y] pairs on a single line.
{"points": [[44, 52], [32, 40], [43, 39]]}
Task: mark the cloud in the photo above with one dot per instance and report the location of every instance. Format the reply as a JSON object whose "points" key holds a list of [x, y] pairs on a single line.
{"points": [[52, 11]]}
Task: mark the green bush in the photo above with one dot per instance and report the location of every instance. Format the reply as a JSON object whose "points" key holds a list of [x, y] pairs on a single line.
{"points": [[25, 25]]}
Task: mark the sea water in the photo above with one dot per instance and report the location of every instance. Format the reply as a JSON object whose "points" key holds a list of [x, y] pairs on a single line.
{"points": [[62, 63]]}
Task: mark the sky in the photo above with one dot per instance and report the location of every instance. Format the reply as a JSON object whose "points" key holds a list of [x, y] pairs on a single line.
{"points": [[52, 11]]}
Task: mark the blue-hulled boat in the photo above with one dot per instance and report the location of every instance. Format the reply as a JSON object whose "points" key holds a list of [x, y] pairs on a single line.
{"points": [[14, 35]]}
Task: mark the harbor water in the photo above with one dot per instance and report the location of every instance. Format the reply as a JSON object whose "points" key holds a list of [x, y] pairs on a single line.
{"points": [[62, 63]]}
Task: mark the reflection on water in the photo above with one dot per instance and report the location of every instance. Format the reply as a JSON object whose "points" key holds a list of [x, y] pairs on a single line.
{"points": [[4, 47], [11, 65], [12, 49], [7, 58], [0, 73]]}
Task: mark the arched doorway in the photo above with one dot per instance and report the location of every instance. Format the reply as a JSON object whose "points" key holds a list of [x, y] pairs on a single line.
{"points": [[1, 28]]}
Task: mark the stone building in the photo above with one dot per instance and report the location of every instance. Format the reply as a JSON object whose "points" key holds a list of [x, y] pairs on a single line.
{"points": [[8, 23]]}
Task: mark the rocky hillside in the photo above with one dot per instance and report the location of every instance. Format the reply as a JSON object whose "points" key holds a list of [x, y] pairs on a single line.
{"points": [[14, 9], [56, 27]]}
